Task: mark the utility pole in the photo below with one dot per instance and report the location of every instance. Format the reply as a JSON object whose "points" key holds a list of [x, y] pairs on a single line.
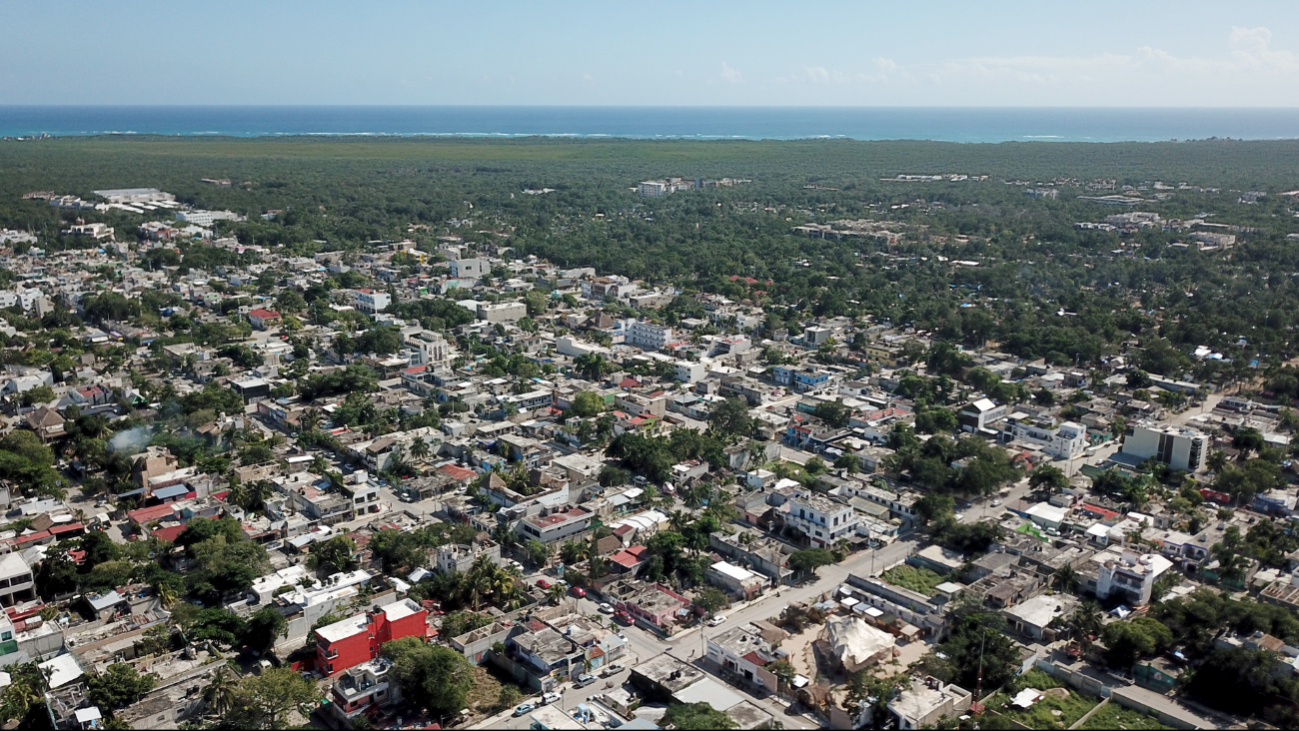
{"points": [[978, 683]]}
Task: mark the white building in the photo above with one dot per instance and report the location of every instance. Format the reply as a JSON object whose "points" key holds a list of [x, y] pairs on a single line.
{"points": [[97, 230], [689, 371], [648, 335], [1178, 447], [428, 348], [1066, 441], [469, 268], [743, 651], [1129, 574], [653, 188], [370, 301], [554, 527], [822, 520], [510, 312], [135, 195], [15, 580], [979, 414], [530, 401], [207, 218], [926, 701]]}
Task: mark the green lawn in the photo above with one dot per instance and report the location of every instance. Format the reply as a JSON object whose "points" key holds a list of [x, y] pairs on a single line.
{"points": [[1040, 715], [921, 581], [1115, 716]]}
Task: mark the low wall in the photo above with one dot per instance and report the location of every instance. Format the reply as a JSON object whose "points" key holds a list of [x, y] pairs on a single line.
{"points": [[1140, 706], [1077, 680]]}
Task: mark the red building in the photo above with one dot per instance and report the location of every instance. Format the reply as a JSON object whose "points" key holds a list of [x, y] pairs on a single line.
{"points": [[358, 639], [262, 318]]}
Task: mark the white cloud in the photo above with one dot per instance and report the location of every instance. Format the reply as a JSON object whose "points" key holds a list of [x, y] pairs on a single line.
{"points": [[1245, 60], [730, 75]]}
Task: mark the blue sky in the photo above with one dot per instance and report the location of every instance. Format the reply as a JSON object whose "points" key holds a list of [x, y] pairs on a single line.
{"points": [[986, 53]]}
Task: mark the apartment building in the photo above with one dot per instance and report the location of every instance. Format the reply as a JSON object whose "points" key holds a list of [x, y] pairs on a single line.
{"points": [[506, 312], [1128, 574], [1178, 447], [128, 196], [370, 301], [554, 527], [469, 268], [206, 218], [1066, 441], [428, 348], [649, 336], [980, 414], [689, 372], [16, 584], [358, 639], [800, 380], [822, 521]]}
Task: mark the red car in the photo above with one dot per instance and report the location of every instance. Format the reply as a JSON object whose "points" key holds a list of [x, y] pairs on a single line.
{"points": [[578, 592], [622, 617], [543, 583]]}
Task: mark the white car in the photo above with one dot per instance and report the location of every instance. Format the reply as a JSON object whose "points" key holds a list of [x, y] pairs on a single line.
{"points": [[995, 503], [606, 608], [549, 697], [717, 620]]}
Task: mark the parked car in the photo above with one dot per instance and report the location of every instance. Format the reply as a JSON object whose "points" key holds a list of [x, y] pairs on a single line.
{"points": [[525, 708], [613, 669], [549, 697], [606, 608], [542, 583], [583, 680], [716, 620], [995, 503], [622, 617], [578, 592]]}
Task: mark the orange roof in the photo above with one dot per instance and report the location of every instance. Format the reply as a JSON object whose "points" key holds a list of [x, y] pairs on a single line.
{"points": [[456, 472], [157, 512]]}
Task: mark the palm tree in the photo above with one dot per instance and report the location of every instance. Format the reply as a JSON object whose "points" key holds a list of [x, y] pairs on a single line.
{"points": [[310, 420], [1086, 622], [504, 588], [1216, 461], [591, 366], [419, 448], [220, 691], [841, 549], [504, 535], [258, 492], [574, 551], [679, 519], [555, 594], [1066, 578]]}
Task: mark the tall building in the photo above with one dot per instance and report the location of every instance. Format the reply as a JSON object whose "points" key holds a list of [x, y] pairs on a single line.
{"points": [[1178, 447], [1066, 441], [649, 336], [1130, 575], [469, 268], [653, 188], [821, 520], [206, 218], [355, 640], [370, 301]]}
